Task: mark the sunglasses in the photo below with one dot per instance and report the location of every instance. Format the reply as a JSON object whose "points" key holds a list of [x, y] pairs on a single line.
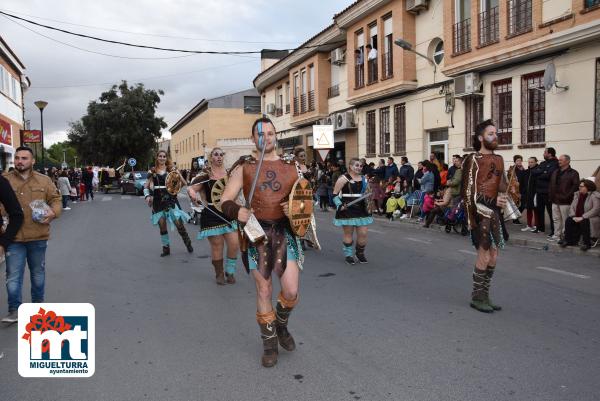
{"points": [[218, 154]]}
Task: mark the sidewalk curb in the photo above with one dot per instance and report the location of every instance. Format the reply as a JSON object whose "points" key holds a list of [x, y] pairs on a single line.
{"points": [[516, 242]]}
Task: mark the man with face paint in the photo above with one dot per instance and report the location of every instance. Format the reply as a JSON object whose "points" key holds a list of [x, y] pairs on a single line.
{"points": [[349, 187], [483, 180], [280, 251]]}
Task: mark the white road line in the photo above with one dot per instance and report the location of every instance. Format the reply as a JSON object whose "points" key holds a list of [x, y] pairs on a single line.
{"points": [[125, 196], [106, 198], [419, 240], [549, 269], [376, 231], [467, 252]]}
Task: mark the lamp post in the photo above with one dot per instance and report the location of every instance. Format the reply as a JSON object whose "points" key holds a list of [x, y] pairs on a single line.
{"points": [[408, 47], [75, 157], [40, 104]]}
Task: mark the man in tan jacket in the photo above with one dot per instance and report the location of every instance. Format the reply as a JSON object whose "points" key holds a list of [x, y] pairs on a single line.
{"points": [[31, 240]]}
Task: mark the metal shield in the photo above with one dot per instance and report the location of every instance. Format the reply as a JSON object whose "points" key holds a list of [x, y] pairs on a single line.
{"points": [[300, 206], [217, 191]]}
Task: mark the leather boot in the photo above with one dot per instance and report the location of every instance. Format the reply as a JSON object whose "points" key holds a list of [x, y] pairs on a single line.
{"points": [[185, 237], [268, 334], [478, 298], [230, 278], [166, 251], [220, 276], [360, 254], [489, 273], [282, 312]]}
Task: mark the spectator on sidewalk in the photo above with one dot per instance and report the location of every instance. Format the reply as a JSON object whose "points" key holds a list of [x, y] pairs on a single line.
{"points": [[452, 168], [64, 187], [542, 173], [323, 192], [433, 159], [563, 185], [427, 182], [87, 177], [527, 185], [11, 217], [444, 175], [367, 170], [391, 169], [416, 183], [32, 238], [406, 172], [380, 170], [455, 183], [440, 206], [584, 217]]}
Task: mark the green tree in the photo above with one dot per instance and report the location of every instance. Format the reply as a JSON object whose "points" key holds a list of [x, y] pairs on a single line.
{"points": [[56, 154], [122, 123]]}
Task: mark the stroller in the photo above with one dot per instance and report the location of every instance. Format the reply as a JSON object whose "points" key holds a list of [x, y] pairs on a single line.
{"points": [[455, 219]]}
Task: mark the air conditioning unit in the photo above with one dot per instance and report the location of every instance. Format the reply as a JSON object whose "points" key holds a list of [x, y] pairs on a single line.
{"points": [[344, 121], [337, 56], [466, 85], [416, 6], [271, 108]]}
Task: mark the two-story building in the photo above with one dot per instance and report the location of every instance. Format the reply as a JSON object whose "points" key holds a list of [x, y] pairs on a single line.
{"points": [[12, 84], [414, 77], [212, 121], [533, 66]]}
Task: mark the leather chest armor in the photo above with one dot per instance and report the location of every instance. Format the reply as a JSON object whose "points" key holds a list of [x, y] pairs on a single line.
{"points": [[273, 187]]}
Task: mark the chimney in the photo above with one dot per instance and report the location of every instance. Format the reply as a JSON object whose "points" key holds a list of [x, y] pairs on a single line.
{"points": [[269, 57]]}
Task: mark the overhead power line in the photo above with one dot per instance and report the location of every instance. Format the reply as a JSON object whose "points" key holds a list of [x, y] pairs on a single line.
{"points": [[148, 34], [146, 46]]}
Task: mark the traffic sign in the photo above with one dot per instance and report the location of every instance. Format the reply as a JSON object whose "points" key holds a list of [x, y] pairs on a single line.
{"points": [[323, 137], [132, 162]]}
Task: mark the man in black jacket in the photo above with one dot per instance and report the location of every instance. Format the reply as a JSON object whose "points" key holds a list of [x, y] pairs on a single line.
{"points": [[13, 210], [407, 172], [542, 174], [564, 182]]}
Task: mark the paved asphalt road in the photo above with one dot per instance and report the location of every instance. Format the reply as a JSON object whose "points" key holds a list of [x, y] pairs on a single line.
{"points": [[399, 328]]}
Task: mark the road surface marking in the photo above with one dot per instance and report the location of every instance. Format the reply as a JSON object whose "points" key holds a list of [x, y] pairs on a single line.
{"points": [[376, 231], [126, 197], [468, 252], [419, 240], [106, 198], [549, 269]]}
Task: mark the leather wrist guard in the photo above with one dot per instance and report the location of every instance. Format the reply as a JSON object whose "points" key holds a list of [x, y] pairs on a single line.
{"points": [[230, 209]]}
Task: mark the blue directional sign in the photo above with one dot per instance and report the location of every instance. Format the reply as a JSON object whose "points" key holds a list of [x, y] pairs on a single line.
{"points": [[132, 162]]}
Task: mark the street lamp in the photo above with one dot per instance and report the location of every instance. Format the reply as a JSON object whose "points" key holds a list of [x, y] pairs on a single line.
{"points": [[40, 104], [408, 47]]}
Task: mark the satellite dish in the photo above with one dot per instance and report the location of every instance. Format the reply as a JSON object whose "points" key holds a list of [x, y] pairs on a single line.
{"points": [[550, 78]]}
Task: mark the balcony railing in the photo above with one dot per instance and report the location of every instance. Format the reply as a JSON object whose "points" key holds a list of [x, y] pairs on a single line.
{"points": [[303, 103], [462, 36], [359, 76], [287, 108], [278, 112], [296, 106], [372, 71], [489, 27], [520, 17], [591, 3], [311, 101], [387, 64], [333, 91]]}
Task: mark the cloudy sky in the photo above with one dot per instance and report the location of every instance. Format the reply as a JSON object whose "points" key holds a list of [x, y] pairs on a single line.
{"points": [[70, 74]]}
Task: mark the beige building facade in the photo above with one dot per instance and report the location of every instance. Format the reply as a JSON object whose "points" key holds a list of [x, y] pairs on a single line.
{"points": [[212, 120], [13, 83], [478, 59]]}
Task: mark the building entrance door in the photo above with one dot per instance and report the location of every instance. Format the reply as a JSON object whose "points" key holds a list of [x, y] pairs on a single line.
{"points": [[438, 144]]}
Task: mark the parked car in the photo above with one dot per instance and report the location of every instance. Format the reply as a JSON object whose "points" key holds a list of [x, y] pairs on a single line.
{"points": [[133, 182]]}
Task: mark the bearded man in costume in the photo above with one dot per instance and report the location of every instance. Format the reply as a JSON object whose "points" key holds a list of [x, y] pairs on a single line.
{"points": [[279, 250], [484, 189]]}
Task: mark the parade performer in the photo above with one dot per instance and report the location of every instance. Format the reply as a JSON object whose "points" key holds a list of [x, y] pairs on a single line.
{"points": [[353, 186], [205, 190], [160, 192], [269, 244], [484, 187]]}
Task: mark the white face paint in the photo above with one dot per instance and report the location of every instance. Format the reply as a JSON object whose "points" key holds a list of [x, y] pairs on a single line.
{"points": [[355, 167]]}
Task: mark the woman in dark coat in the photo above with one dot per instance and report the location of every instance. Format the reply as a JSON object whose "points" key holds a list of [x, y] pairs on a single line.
{"points": [[527, 183]]}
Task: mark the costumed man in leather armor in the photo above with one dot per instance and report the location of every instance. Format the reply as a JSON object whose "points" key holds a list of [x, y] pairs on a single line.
{"points": [[484, 189], [165, 207], [356, 217], [213, 224], [280, 250]]}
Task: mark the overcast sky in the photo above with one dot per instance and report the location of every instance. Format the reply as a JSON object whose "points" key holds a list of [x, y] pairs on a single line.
{"points": [[69, 78]]}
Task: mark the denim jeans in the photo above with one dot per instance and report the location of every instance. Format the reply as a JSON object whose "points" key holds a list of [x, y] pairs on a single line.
{"points": [[65, 199], [17, 253]]}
